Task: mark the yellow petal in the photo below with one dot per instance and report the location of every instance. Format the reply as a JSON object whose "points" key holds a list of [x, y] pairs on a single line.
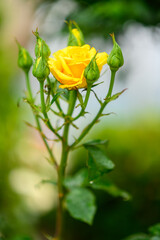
{"points": [[86, 47], [77, 69], [70, 86], [63, 78], [76, 33], [83, 84], [54, 63], [80, 84], [101, 59], [71, 61], [65, 67], [62, 52], [78, 53], [92, 52]]}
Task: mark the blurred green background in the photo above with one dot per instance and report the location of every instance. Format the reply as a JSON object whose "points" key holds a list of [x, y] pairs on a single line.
{"points": [[27, 208]]}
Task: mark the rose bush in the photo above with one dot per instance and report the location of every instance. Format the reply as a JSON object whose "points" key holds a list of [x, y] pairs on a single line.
{"points": [[68, 65]]}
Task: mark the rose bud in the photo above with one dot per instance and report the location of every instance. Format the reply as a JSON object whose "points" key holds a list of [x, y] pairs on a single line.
{"points": [[91, 72], [115, 59], [24, 59], [76, 37], [41, 69], [41, 48]]}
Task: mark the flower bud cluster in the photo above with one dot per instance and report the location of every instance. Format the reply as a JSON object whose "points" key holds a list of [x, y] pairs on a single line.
{"points": [[40, 66]]}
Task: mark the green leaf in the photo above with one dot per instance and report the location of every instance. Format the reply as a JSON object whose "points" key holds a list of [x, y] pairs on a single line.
{"points": [[33, 106], [48, 237], [80, 179], [100, 102], [80, 203], [55, 97], [95, 142], [109, 187], [98, 162], [21, 238], [106, 114], [93, 171], [64, 92], [139, 236], [18, 104], [48, 101], [74, 125], [30, 125], [103, 163], [155, 238], [155, 229], [95, 85], [49, 160], [115, 96], [44, 181], [80, 98]]}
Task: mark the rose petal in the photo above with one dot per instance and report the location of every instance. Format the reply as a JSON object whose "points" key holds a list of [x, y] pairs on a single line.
{"points": [[57, 64], [101, 59], [61, 77], [92, 52], [66, 69], [77, 69]]}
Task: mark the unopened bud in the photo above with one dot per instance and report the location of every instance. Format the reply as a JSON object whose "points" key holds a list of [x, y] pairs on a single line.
{"points": [[115, 59], [41, 69], [24, 59], [41, 48], [91, 72], [76, 37]]}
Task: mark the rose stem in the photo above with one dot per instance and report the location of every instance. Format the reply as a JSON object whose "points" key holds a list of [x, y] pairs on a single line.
{"points": [[86, 130], [63, 163], [38, 122]]}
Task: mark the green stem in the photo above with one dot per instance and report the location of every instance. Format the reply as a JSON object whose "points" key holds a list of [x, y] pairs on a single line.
{"points": [[86, 130], [85, 103], [38, 122], [43, 107], [113, 73], [63, 163], [59, 107], [56, 101], [45, 142], [28, 87], [57, 113]]}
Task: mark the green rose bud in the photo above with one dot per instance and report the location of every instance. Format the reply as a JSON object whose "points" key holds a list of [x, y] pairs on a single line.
{"points": [[41, 69], [41, 48], [91, 72], [76, 37], [24, 59], [115, 59]]}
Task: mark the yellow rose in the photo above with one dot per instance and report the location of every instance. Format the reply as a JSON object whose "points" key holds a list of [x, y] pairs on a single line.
{"points": [[68, 65]]}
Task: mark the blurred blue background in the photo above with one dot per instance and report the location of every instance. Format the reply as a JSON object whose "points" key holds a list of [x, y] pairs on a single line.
{"points": [[27, 208]]}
